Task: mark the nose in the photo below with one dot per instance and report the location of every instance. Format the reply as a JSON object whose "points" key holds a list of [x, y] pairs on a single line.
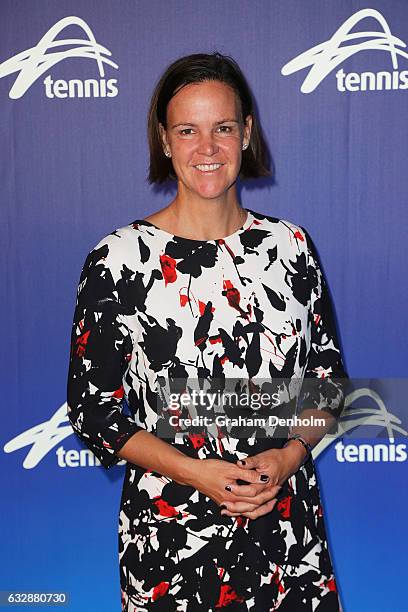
{"points": [[207, 144]]}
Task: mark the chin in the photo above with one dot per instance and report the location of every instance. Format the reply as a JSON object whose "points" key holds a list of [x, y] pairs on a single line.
{"points": [[212, 189], [210, 194]]}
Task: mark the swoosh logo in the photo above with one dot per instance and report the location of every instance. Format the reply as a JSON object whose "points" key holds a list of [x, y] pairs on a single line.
{"points": [[326, 56], [32, 63]]}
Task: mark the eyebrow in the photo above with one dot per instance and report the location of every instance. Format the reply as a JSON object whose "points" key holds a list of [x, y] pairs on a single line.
{"points": [[216, 123]]}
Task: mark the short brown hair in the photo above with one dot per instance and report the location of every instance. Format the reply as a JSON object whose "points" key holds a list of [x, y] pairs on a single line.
{"points": [[198, 68]]}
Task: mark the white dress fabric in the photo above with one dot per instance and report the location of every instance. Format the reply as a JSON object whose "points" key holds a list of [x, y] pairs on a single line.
{"points": [[157, 311]]}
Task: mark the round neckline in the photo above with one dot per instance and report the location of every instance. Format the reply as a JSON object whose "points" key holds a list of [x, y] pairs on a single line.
{"points": [[244, 227]]}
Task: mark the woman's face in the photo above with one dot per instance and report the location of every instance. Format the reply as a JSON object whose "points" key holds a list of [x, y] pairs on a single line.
{"points": [[205, 127]]}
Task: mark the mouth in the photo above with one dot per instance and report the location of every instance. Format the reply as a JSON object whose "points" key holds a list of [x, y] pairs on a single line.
{"points": [[208, 168]]}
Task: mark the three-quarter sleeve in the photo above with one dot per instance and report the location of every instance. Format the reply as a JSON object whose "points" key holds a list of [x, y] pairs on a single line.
{"points": [[100, 351], [326, 379]]}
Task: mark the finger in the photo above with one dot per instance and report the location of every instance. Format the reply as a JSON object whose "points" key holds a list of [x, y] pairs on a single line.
{"points": [[255, 490], [248, 463], [246, 508], [250, 476], [249, 503], [237, 472], [255, 511], [261, 510], [239, 507], [258, 461]]}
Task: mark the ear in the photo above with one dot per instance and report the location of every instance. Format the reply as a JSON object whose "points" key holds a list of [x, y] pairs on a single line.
{"points": [[163, 136], [247, 128]]}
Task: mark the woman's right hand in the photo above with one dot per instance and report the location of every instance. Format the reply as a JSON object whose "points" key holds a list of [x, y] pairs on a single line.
{"points": [[211, 476]]}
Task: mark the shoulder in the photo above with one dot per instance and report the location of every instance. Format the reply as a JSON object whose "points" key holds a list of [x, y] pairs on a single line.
{"points": [[113, 251], [119, 238], [276, 223], [123, 242], [282, 230]]}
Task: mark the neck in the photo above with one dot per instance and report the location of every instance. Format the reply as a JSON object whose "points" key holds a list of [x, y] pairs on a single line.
{"points": [[206, 219]]}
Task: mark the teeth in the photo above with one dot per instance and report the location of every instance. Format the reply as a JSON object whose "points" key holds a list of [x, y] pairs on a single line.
{"points": [[208, 167]]}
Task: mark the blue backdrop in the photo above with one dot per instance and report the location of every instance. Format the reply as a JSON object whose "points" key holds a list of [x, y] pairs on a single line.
{"points": [[330, 84]]}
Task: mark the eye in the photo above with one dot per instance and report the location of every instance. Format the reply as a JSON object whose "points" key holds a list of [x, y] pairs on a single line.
{"points": [[227, 128], [185, 130]]}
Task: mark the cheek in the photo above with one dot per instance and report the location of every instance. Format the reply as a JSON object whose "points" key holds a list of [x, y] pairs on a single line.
{"points": [[182, 155], [233, 150], [183, 149]]}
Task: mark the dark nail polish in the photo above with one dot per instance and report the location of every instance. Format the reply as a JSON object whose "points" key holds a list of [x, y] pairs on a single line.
{"points": [[264, 477], [228, 488], [243, 462], [223, 507]]}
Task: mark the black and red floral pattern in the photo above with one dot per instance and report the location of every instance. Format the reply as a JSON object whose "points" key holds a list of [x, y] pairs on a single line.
{"points": [[154, 307]]}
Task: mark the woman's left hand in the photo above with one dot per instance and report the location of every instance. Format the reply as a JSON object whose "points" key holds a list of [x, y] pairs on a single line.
{"points": [[279, 464]]}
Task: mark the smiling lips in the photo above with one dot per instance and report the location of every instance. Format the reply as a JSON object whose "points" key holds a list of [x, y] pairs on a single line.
{"points": [[208, 167]]}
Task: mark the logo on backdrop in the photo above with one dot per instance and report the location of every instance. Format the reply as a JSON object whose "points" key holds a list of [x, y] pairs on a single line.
{"points": [[34, 62], [44, 437], [326, 56]]}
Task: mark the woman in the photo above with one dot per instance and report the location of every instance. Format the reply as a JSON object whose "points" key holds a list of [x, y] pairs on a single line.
{"points": [[207, 291]]}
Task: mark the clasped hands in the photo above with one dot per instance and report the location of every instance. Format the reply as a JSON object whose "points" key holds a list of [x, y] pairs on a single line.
{"points": [[258, 498]]}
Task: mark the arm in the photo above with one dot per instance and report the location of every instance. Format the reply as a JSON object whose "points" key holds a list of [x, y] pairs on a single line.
{"points": [[155, 454], [325, 379], [100, 344]]}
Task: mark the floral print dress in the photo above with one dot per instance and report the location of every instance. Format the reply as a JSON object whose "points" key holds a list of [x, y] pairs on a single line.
{"points": [[155, 309]]}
